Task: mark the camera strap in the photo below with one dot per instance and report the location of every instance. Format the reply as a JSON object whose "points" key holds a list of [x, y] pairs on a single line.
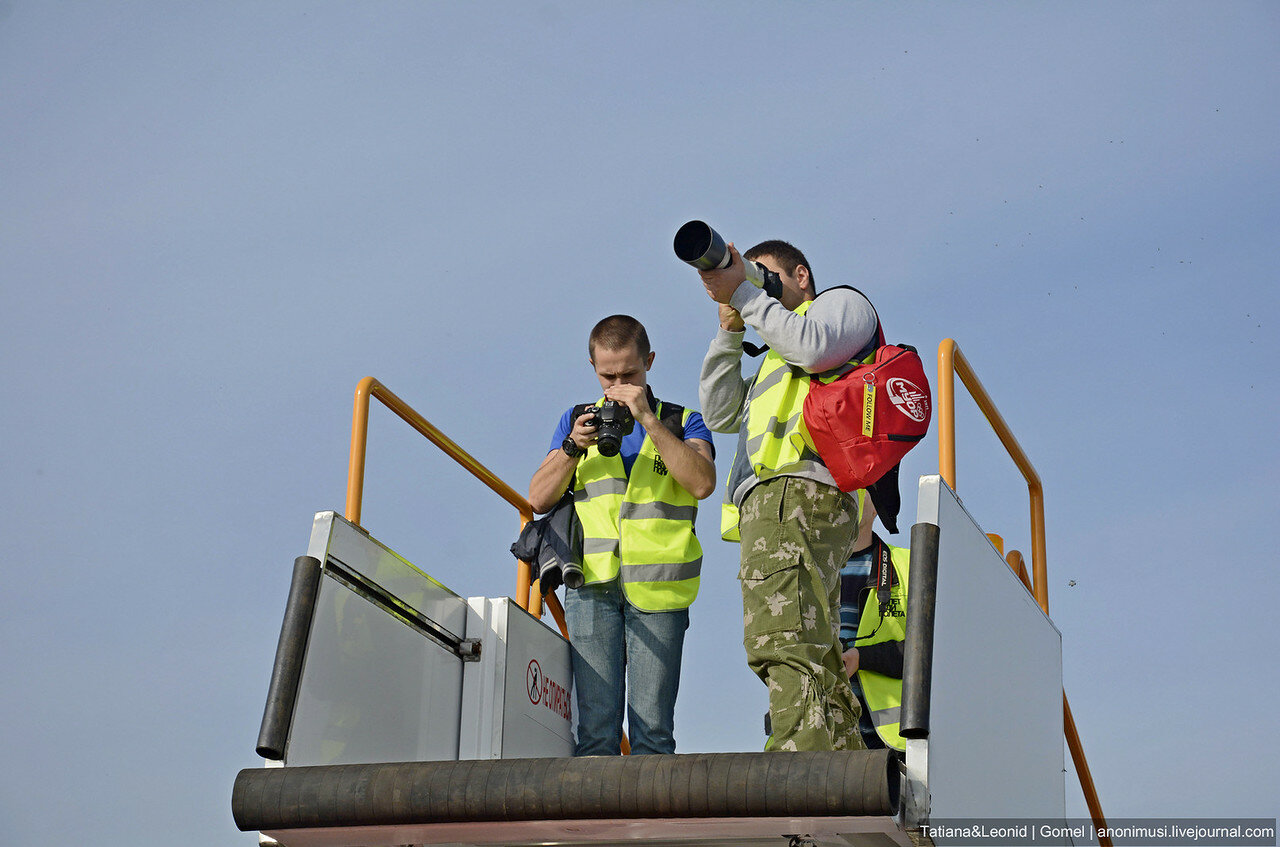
{"points": [[882, 572], [881, 580]]}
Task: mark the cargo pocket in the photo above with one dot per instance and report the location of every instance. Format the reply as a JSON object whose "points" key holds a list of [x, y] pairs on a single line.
{"points": [[770, 572], [771, 603]]}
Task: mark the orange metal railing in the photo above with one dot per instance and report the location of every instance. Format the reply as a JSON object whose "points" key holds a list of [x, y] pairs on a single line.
{"points": [[952, 363], [369, 387]]}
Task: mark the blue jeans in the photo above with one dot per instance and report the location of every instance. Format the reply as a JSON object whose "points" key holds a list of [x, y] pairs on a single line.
{"points": [[611, 641]]}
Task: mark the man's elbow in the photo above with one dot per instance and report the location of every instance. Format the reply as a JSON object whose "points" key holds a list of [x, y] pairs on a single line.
{"points": [[725, 426], [817, 361], [718, 415], [719, 421], [704, 487], [540, 503], [821, 351]]}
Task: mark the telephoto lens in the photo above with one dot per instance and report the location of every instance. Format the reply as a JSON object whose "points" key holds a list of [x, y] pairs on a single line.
{"points": [[697, 244]]}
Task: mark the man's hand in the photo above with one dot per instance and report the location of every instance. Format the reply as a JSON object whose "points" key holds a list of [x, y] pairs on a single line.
{"points": [[721, 284], [850, 657], [636, 399], [730, 320], [584, 432]]}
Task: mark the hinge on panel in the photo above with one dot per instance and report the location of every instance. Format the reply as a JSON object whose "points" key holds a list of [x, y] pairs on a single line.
{"points": [[469, 649]]}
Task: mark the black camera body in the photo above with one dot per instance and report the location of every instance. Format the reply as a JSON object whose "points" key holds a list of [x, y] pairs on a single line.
{"points": [[612, 420]]}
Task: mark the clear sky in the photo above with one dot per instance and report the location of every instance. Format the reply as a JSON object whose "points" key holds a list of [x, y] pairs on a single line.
{"points": [[215, 218]]}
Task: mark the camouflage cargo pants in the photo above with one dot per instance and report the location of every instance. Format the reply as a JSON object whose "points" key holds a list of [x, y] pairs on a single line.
{"points": [[796, 535]]}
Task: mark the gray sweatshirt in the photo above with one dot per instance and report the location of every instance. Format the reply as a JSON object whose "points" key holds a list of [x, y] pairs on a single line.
{"points": [[837, 326]]}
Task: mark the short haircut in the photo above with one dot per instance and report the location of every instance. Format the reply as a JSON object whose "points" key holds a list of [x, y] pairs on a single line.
{"points": [[617, 332], [787, 255]]}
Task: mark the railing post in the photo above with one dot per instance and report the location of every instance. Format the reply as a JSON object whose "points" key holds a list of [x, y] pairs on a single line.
{"points": [[359, 442], [370, 387], [947, 412], [951, 362]]}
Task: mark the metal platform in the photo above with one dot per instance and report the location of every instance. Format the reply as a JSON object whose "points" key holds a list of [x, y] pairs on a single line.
{"points": [[402, 714]]}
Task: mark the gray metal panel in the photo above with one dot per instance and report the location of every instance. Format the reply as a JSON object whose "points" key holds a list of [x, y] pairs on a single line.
{"points": [[335, 538], [515, 700], [537, 717], [995, 746], [375, 688], [483, 693]]}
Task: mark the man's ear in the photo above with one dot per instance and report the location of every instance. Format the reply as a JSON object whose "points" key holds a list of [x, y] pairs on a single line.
{"points": [[649, 362], [803, 280]]}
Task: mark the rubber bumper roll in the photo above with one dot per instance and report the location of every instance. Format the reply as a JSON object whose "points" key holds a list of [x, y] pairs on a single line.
{"points": [[690, 785]]}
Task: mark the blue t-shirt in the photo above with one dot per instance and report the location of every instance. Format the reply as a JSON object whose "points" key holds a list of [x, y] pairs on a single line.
{"points": [[693, 428]]}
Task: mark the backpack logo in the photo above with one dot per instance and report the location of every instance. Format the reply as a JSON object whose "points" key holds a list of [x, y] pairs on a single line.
{"points": [[909, 399]]}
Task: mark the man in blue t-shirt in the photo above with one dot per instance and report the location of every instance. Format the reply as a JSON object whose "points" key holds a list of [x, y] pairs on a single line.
{"points": [[641, 557]]}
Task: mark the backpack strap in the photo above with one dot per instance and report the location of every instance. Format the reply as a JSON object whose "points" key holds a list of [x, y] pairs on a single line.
{"points": [[886, 496], [672, 417]]}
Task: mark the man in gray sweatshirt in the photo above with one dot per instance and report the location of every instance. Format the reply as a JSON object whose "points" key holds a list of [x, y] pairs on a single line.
{"points": [[795, 526]]}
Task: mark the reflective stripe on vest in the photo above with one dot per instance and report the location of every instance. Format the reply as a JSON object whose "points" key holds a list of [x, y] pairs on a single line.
{"points": [[884, 694], [639, 528]]}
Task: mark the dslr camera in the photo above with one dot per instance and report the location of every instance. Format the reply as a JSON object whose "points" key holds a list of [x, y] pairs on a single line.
{"points": [[612, 421], [697, 244]]}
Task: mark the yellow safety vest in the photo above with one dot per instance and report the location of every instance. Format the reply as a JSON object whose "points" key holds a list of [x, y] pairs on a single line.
{"points": [[778, 443], [884, 693], [640, 527]]}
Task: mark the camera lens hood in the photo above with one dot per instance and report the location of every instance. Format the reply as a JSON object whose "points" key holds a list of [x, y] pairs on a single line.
{"points": [[697, 244]]}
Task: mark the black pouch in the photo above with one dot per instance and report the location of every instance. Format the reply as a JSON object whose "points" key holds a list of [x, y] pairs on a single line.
{"points": [[552, 545]]}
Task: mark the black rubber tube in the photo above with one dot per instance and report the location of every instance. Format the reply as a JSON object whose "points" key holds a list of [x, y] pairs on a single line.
{"points": [[917, 650], [282, 695], [688, 785]]}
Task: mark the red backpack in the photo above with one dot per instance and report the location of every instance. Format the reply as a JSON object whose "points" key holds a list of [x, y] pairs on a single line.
{"points": [[864, 422]]}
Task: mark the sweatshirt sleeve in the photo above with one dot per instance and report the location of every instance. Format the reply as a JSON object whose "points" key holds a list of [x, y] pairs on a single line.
{"points": [[883, 658], [836, 326], [722, 391]]}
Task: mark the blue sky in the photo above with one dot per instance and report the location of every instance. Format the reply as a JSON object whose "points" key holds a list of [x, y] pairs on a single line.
{"points": [[216, 218]]}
